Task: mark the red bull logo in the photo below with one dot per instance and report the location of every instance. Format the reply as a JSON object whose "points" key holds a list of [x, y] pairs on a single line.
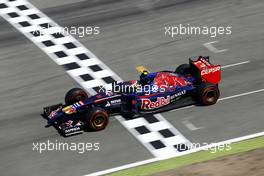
{"points": [[161, 101]]}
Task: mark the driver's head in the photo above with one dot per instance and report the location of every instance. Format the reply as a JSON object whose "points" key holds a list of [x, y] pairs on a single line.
{"points": [[144, 79]]}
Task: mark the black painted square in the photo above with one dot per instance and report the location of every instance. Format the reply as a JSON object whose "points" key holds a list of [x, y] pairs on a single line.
{"points": [[98, 88], [13, 15], [181, 147], [151, 119], [61, 54], [71, 66], [166, 133], [82, 56], [45, 25], [2, 6], [48, 43], [142, 130], [34, 16], [86, 77], [69, 45], [35, 33], [57, 35], [157, 144], [25, 24], [95, 68], [22, 7], [108, 79]]}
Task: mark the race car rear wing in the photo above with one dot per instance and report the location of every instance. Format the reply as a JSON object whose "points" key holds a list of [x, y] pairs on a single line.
{"points": [[206, 71]]}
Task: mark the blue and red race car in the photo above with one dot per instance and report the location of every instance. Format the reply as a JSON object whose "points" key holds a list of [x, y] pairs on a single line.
{"points": [[193, 83]]}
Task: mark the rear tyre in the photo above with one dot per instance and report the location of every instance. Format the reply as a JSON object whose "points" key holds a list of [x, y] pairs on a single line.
{"points": [[74, 95], [183, 69], [207, 94], [96, 119]]}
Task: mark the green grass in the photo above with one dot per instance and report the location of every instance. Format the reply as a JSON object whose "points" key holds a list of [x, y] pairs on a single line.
{"points": [[189, 159]]}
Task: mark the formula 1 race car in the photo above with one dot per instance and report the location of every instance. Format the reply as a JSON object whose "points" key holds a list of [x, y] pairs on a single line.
{"points": [[193, 83]]}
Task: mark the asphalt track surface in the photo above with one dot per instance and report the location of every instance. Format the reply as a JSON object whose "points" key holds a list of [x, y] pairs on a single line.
{"points": [[132, 34]]}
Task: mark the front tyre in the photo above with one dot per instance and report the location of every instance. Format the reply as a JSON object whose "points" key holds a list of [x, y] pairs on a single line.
{"points": [[74, 95], [207, 94], [96, 119]]}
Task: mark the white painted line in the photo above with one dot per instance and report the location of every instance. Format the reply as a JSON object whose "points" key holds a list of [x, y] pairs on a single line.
{"points": [[236, 64], [242, 94], [225, 98], [132, 165], [210, 47], [140, 163], [186, 107], [190, 125]]}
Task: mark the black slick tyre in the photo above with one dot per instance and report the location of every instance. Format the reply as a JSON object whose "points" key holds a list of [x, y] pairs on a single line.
{"points": [[74, 95], [207, 94], [96, 119]]}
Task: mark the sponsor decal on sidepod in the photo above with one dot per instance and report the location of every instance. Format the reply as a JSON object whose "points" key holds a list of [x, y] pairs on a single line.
{"points": [[148, 104], [161, 101], [173, 97]]}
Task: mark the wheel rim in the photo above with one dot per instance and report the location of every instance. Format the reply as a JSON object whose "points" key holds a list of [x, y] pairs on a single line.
{"points": [[79, 98], [99, 121], [210, 96]]}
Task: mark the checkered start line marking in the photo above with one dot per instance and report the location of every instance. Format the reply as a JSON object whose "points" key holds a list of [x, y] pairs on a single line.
{"points": [[153, 131]]}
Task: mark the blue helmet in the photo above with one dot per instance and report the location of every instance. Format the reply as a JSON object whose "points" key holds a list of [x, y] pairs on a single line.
{"points": [[144, 78]]}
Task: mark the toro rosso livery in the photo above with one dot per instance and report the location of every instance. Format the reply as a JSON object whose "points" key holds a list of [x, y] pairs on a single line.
{"points": [[193, 83]]}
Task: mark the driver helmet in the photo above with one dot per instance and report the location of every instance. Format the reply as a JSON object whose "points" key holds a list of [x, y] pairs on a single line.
{"points": [[144, 79]]}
